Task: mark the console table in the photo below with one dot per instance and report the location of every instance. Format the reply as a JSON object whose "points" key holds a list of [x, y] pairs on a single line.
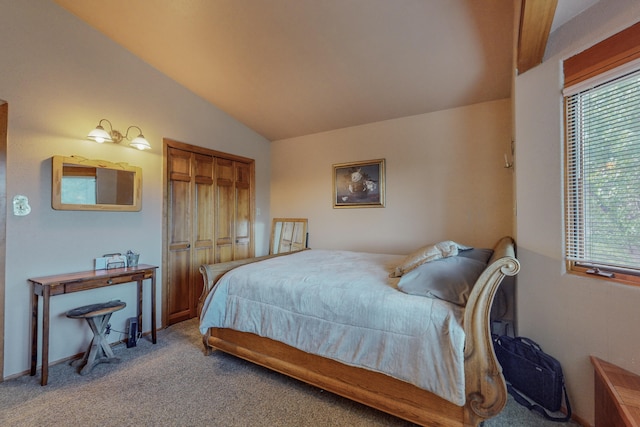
{"points": [[49, 286], [617, 395]]}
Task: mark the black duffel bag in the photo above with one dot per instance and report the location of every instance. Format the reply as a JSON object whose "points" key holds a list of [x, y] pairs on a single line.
{"points": [[532, 374]]}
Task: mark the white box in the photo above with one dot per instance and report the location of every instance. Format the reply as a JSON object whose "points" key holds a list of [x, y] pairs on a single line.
{"points": [[100, 263]]}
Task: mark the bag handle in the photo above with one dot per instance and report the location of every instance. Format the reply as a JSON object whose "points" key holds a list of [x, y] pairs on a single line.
{"points": [[528, 341], [524, 340], [534, 407]]}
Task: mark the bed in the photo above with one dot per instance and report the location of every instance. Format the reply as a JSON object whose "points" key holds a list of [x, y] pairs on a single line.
{"points": [[366, 331]]}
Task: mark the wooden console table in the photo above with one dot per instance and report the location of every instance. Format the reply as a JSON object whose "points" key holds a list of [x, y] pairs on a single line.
{"points": [[49, 286], [617, 395]]}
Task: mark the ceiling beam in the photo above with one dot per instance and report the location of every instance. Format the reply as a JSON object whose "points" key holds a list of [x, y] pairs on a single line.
{"points": [[536, 17]]}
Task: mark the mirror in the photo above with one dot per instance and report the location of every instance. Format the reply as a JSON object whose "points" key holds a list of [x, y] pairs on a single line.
{"points": [[80, 184], [288, 235]]}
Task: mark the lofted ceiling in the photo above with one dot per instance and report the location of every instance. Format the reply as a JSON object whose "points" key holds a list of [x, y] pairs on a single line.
{"points": [[288, 68]]}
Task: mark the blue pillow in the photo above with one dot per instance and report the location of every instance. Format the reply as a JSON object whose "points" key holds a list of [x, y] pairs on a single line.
{"points": [[449, 279]]}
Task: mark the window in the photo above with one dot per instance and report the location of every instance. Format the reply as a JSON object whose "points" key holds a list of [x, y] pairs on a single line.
{"points": [[602, 197], [603, 175]]}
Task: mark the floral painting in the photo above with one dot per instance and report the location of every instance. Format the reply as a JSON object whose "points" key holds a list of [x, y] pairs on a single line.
{"points": [[358, 184]]}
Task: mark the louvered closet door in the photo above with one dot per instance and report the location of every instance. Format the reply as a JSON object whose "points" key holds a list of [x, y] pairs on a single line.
{"points": [[190, 220]]}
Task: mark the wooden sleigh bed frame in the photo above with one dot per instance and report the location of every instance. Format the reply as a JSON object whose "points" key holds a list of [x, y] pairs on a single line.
{"points": [[486, 393]]}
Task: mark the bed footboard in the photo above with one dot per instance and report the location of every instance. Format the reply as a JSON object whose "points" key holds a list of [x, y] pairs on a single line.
{"points": [[486, 389]]}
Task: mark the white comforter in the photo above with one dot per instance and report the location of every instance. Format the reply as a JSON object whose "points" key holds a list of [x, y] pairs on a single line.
{"points": [[342, 305]]}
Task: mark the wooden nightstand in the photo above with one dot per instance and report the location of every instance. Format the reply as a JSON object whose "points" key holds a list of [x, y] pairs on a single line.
{"points": [[617, 395]]}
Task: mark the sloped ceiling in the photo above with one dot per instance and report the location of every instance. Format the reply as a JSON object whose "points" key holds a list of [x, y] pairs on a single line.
{"points": [[288, 68]]}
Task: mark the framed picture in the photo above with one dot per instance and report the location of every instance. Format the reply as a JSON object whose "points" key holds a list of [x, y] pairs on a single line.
{"points": [[359, 184]]}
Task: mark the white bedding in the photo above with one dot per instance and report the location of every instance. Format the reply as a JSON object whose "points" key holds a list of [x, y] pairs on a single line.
{"points": [[342, 305]]}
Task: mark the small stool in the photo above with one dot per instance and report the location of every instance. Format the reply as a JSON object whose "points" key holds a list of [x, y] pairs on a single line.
{"points": [[97, 315]]}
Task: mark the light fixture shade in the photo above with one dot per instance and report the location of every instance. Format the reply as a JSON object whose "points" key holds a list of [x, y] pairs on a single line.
{"points": [[99, 135], [140, 143]]}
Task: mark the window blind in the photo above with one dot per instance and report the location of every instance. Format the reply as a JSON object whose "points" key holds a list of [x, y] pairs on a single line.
{"points": [[603, 174]]}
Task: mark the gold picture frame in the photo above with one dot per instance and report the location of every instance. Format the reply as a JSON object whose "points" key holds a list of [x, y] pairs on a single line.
{"points": [[359, 184]]}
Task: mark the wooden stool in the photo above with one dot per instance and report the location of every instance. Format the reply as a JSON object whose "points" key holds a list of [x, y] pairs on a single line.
{"points": [[97, 315]]}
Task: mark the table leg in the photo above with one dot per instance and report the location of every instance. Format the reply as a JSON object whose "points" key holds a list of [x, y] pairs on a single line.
{"points": [[153, 307], [34, 332], [45, 335], [139, 313]]}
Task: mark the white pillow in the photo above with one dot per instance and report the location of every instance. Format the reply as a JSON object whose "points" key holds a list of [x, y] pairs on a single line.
{"points": [[427, 253]]}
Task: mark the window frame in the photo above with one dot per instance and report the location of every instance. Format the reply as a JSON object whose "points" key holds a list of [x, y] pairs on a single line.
{"points": [[601, 63]]}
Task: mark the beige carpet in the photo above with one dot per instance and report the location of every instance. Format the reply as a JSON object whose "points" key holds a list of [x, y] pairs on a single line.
{"points": [[172, 383]]}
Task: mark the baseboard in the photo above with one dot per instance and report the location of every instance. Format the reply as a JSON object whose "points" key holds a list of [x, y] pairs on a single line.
{"points": [[66, 359]]}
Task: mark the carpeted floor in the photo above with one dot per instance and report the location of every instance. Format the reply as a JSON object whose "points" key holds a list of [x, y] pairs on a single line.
{"points": [[172, 383]]}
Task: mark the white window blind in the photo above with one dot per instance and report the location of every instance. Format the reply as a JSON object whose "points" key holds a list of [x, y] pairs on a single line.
{"points": [[603, 175]]}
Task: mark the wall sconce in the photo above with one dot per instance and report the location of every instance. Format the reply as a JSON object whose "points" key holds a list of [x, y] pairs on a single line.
{"points": [[100, 135], [509, 164]]}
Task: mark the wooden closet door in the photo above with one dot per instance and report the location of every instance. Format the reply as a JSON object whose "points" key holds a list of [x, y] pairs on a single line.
{"points": [[179, 235], [203, 232], [209, 219], [190, 219], [225, 212], [233, 210], [243, 209]]}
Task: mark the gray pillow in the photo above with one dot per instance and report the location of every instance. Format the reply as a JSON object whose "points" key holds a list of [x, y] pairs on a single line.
{"points": [[450, 279], [477, 253]]}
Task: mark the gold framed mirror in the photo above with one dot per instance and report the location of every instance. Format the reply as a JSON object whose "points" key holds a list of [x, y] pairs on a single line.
{"points": [[80, 184], [288, 235]]}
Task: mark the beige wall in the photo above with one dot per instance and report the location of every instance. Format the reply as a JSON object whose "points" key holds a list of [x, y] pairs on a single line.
{"points": [[445, 179], [60, 77], [570, 317]]}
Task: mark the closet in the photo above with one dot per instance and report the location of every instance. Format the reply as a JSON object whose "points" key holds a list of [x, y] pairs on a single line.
{"points": [[209, 201]]}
